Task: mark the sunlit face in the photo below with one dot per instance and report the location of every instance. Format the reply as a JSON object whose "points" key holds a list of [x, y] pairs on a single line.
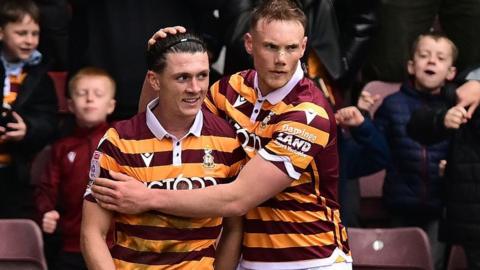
{"points": [[182, 85], [432, 64], [91, 100], [20, 39], [276, 47]]}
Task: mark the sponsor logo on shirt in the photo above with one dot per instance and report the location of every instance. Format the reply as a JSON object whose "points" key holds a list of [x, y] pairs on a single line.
{"points": [[302, 133], [181, 183], [293, 144]]}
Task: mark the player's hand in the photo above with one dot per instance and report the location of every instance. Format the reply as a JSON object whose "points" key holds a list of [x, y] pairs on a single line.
{"points": [[125, 195], [50, 220], [17, 131], [349, 117], [455, 117], [162, 33]]}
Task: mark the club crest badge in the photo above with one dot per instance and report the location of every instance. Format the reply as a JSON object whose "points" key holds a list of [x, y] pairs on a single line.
{"points": [[267, 119], [208, 161]]}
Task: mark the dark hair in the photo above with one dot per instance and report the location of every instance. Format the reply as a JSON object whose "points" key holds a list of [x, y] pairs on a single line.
{"points": [[16, 10], [435, 35], [89, 72], [278, 10], [178, 43]]}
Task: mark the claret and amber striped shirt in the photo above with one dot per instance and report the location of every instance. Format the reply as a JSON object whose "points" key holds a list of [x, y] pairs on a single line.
{"points": [[294, 128], [140, 147]]}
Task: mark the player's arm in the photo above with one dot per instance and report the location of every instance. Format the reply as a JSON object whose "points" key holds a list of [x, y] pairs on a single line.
{"points": [[94, 230], [229, 246], [258, 181]]}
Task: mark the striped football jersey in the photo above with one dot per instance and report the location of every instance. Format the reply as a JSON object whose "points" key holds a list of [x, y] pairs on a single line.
{"points": [[294, 128], [209, 155]]}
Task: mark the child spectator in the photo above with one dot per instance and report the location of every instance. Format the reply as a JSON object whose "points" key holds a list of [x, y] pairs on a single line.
{"points": [[59, 196], [412, 187], [362, 151], [461, 219], [29, 105]]}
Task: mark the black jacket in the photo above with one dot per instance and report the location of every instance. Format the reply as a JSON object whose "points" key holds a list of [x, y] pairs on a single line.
{"points": [[36, 103], [338, 31], [461, 220]]}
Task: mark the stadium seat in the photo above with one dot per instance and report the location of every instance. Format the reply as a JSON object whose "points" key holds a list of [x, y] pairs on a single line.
{"points": [[380, 88], [21, 247], [457, 259], [372, 212], [404, 248], [60, 82]]}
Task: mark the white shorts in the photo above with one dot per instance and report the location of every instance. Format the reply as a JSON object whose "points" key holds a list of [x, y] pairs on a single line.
{"points": [[335, 266]]}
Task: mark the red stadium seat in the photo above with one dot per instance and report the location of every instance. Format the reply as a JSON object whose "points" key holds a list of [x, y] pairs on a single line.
{"points": [[21, 245], [372, 212], [457, 259], [380, 88], [392, 249]]}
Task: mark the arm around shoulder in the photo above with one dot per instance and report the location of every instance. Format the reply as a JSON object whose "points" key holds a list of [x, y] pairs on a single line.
{"points": [[258, 181]]}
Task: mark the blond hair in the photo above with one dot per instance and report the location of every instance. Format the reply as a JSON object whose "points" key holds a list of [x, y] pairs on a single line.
{"points": [[90, 72]]}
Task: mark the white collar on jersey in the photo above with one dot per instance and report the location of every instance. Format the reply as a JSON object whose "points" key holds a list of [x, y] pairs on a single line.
{"points": [[157, 129], [277, 95]]}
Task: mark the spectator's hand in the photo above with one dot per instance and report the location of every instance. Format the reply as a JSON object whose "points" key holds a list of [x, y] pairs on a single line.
{"points": [[468, 95], [441, 167], [17, 132], [126, 195], [349, 117], [162, 33], [455, 116], [49, 221], [366, 100]]}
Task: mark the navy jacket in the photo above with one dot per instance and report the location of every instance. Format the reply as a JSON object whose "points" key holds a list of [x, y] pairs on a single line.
{"points": [[412, 183], [461, 220], [362, 151]]}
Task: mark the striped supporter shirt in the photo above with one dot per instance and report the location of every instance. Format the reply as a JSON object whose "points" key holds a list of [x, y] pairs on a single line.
{"points": [[208, 155], [294, 128], [10, 93]]}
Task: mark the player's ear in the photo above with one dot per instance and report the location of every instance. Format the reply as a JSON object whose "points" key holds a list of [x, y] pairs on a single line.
{"points": [[303, 45], [152, 78], [248, 43]]}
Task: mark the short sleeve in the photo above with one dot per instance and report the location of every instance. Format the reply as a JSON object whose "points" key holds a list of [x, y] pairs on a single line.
{"points": [[103, 160], [299, 135]]}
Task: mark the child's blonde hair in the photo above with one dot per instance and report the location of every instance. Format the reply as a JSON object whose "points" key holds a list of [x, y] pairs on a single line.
{"points": [[90, 72]]}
